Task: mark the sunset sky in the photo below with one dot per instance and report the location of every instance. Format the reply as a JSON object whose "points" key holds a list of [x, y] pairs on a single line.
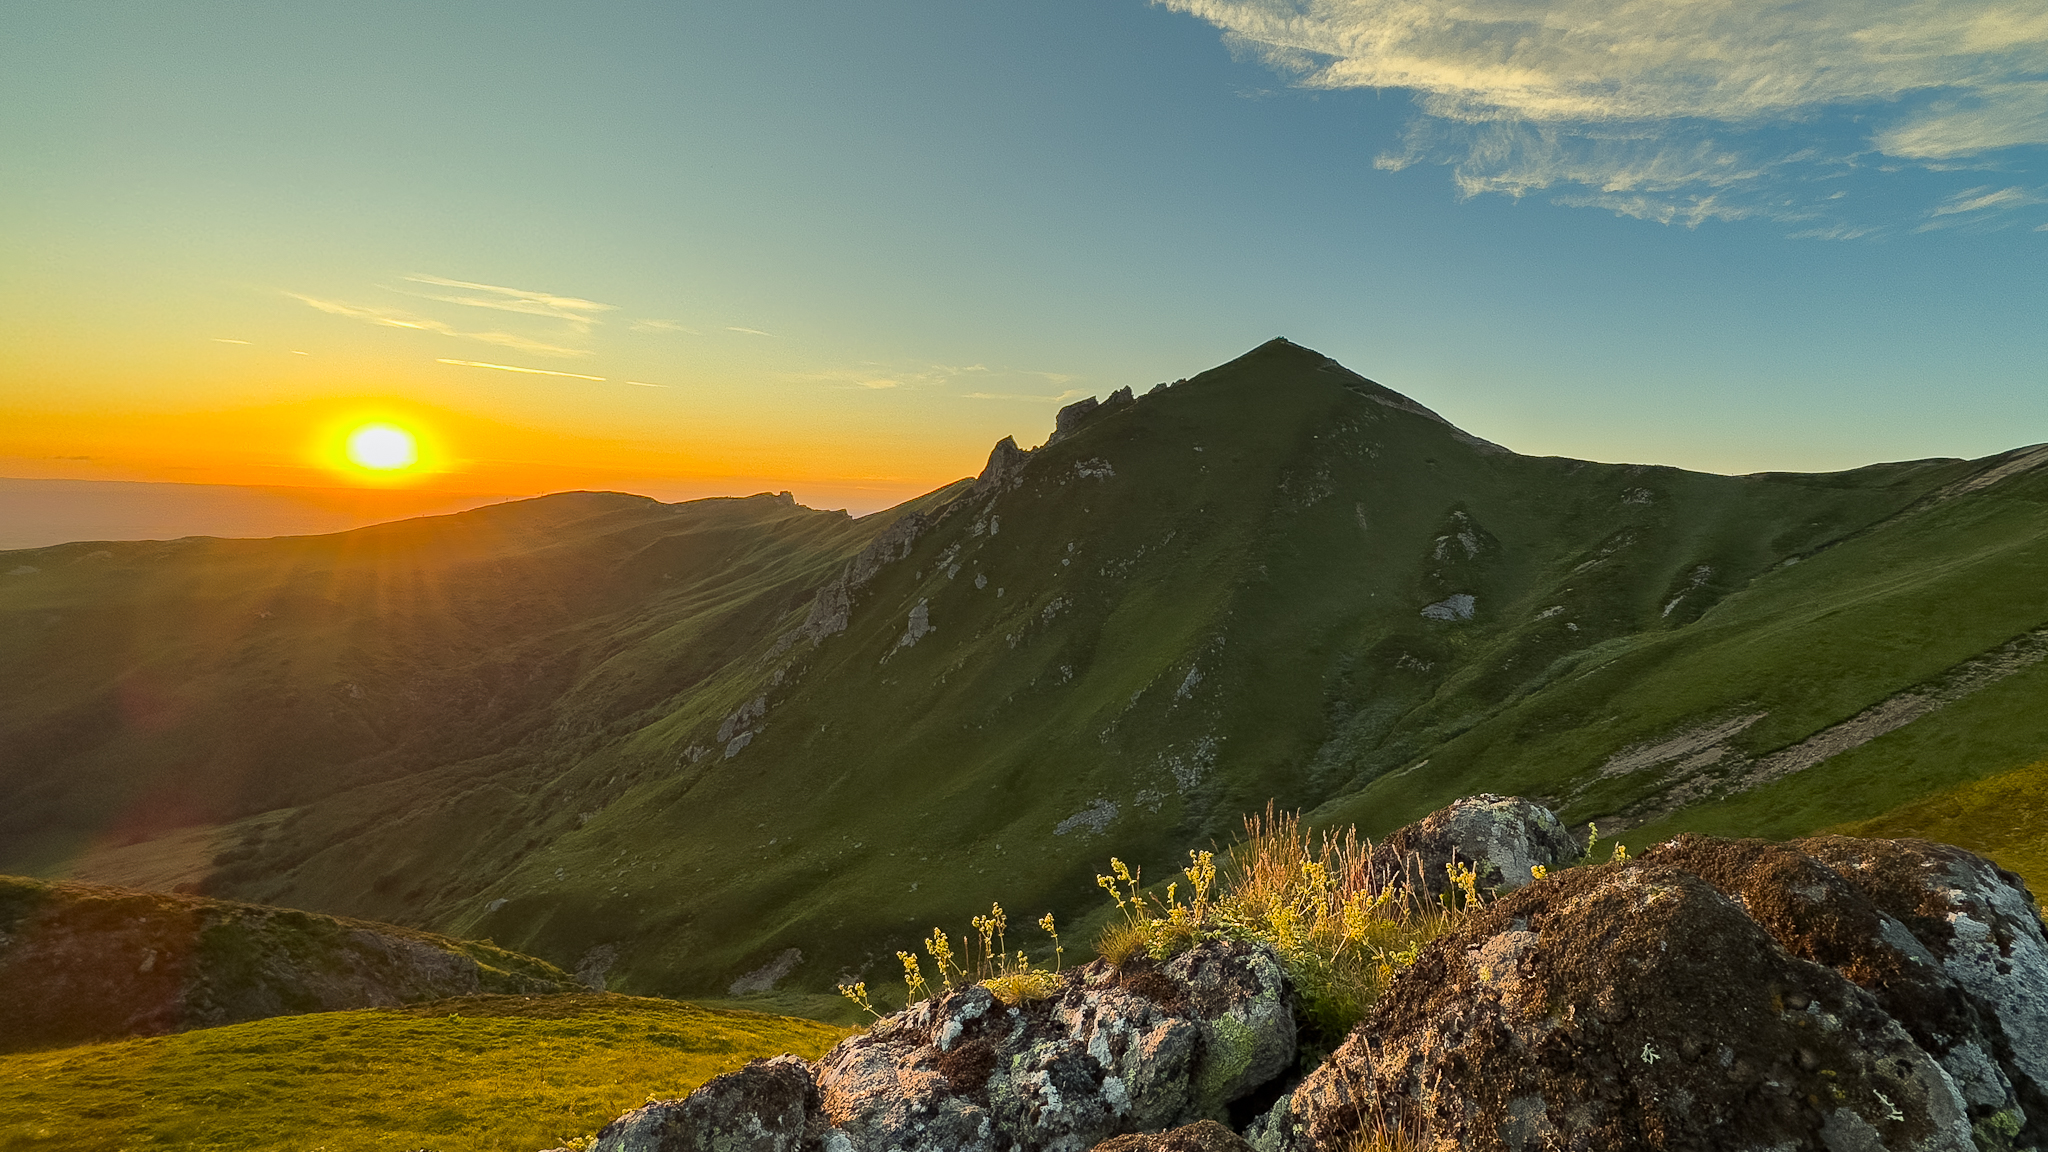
{"points": [[840, 248]]}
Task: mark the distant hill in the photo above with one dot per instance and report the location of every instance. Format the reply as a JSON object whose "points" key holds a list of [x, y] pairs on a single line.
{"points": [[38, 513], [86, 962], [724, 744]]}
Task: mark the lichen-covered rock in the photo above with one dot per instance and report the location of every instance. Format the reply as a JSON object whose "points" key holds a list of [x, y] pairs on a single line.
{"points": [[1623, 1007], [1201, 1136], [1137, 1048], [1817, 914], [764, 1107], [1501, 837], [1982, 927]]}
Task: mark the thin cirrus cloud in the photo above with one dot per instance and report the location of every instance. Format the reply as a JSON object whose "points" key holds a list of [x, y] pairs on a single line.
{"points": [[393, 318], [578, 312], [662, 326], [749, 331], [516, 368], [1684, 111]]}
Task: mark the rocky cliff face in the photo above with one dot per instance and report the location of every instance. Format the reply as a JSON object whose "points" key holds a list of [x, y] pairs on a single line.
{"points": [[83, 962], [1829, 994]]}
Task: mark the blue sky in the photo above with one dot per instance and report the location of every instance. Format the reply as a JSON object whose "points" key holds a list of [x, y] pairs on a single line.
{"points": [[853, 244]]}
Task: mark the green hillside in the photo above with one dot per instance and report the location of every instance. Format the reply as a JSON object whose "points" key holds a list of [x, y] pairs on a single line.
{"points": [[481, 1074], [1274, 580], [86, 962]]}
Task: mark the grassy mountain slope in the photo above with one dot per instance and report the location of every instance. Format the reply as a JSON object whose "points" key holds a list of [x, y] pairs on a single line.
{"points": [[1248, 586], [485, 1074], [1274, 580], [414, 679], [84, 962]]}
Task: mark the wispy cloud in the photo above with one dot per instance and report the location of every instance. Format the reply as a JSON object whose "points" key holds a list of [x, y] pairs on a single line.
{"points": [[1062, 398], [1977, 207], [225, 340], [578, 312], [749, 331], [1681, 111], [394, 318], [643, 384], [882, 377], [1980, 199], [662, 326], [516, 368]]}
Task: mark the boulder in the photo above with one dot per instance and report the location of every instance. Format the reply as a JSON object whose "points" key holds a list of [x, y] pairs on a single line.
{"points": [[1140, 1047], [1622, 1007], [1501, 837], [1979, 923], [763, 1107], [1816, 913]]}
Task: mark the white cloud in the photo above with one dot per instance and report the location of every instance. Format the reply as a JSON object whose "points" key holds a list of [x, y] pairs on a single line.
{"points": [[515, 368], [392, 318], [581, 313], [1979, 199], [880, 377], [1681, 110], [662, 326], [1062, 398], [750, 331], [1980, 208]]}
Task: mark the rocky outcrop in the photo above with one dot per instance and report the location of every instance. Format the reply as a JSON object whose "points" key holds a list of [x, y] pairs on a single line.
{"points": [[1138, 1048], [1833, 995], [1847, 995], [764, 1107], [1070, 419], [1500, 837], [1004, 469], [83, 962], [832, 606]]}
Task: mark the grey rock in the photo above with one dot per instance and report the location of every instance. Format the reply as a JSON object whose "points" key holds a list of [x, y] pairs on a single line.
{"points": [[832, 606], [1982, 926], [764, 1107], [1137, 1048], [1071, 418], [1817, 914], [1502, 837], [1004, 469]]}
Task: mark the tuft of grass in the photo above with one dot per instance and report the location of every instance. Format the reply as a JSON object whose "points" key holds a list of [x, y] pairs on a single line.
{"points": [[1009, 976], [1341, 927], [480, 1074]]}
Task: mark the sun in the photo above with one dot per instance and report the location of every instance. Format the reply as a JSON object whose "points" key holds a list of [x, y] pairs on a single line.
{"points": [[382, 448]]}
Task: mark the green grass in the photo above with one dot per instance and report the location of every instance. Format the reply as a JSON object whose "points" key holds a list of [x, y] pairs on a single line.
{"points": [[2004, 817], [480, 1073]]}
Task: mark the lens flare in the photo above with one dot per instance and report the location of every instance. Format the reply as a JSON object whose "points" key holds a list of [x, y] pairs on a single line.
{"points": [[382, 448]]}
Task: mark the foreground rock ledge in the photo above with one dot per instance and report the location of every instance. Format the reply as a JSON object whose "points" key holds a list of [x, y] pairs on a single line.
{"points": [[1832, 994], [1846, 995]]}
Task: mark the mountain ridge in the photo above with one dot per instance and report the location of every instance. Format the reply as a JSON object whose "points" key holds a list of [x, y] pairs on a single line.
{"points": [[1274, 580]]}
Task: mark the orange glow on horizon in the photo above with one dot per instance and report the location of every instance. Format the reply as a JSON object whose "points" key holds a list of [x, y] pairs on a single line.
{"points": [[304, 444]]}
